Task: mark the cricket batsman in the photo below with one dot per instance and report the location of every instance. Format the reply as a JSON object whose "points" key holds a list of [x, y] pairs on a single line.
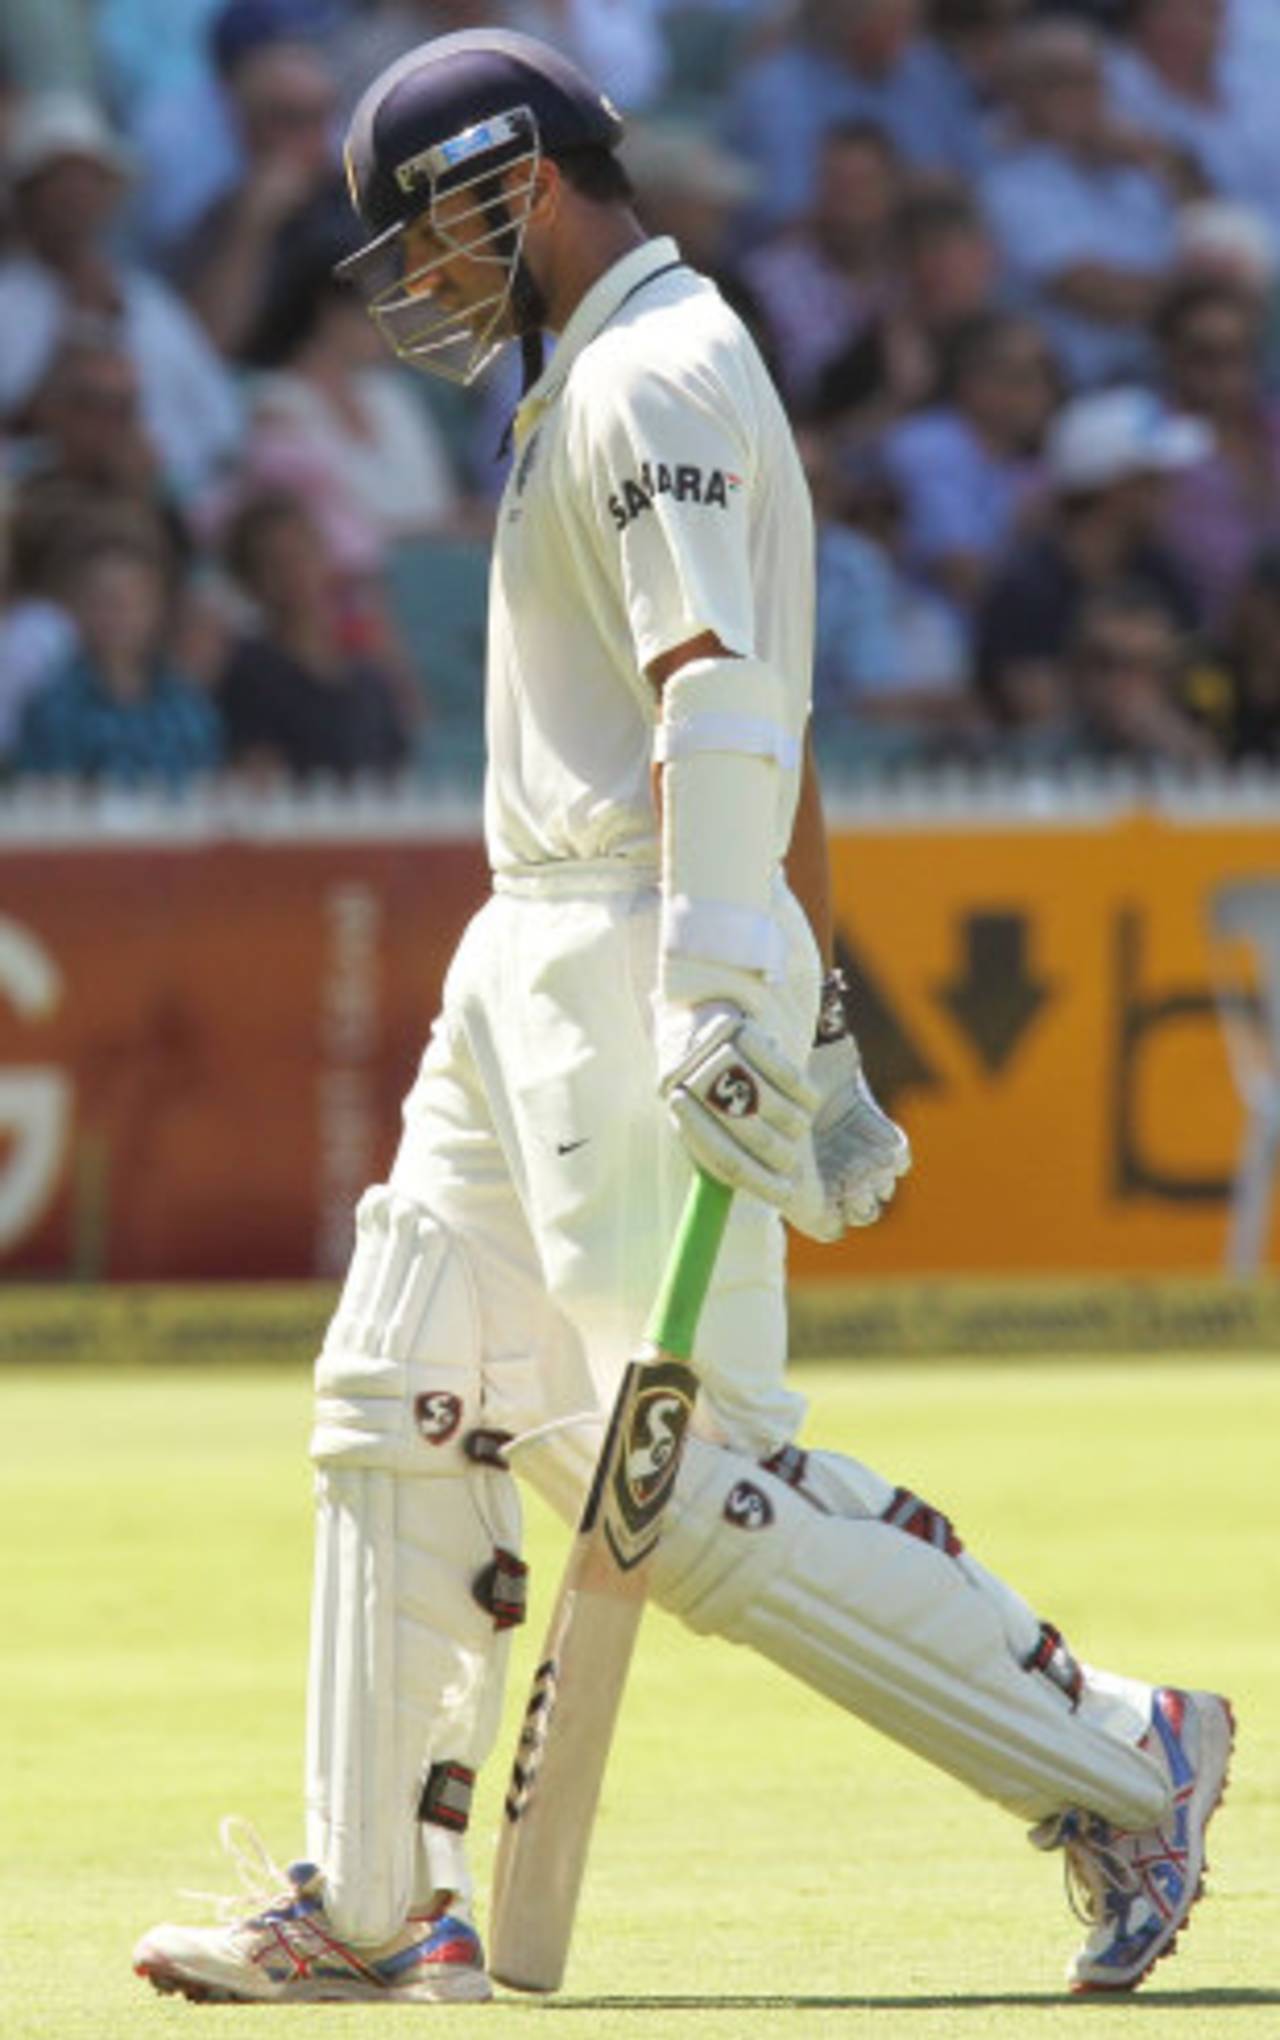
{"points": [[647, 988]]}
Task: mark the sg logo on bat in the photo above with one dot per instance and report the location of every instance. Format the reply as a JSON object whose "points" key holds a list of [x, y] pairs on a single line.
{"points": [[648, 1458]]}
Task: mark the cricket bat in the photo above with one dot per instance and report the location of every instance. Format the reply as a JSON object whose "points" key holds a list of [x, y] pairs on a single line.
{"points": [[577, 1688]]}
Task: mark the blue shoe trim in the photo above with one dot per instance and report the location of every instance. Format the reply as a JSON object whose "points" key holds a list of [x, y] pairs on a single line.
{"points": [[1123, 1954], [1179, 1763], [444, 1932]]}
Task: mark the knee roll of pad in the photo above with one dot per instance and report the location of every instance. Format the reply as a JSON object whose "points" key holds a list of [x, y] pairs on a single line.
{"points": [[398, 1380]]}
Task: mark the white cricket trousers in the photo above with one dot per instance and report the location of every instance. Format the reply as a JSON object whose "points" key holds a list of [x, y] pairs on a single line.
{"points": [[535, 1134]]}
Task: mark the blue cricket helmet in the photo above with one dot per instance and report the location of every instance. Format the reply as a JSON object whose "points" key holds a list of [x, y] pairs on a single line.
{"points": [[454, 117], [447, 90]]}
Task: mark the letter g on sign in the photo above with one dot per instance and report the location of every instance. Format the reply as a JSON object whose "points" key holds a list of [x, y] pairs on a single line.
{"points": [[35, 1099]]}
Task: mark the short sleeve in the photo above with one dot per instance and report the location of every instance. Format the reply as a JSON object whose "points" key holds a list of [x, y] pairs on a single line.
{"points": [[667, 475]]}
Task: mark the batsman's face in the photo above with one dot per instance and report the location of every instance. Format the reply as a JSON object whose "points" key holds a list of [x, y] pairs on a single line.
{"points": [[440, 287], [440, 261]]}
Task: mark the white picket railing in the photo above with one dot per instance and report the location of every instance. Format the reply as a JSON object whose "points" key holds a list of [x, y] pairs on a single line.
{"points": [[51, 812]]}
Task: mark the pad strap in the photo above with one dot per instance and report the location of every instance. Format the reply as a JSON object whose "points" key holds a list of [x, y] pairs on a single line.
{"points": [[920, 1519], [502, 1588], [1059, 1665], [446, 1796]]}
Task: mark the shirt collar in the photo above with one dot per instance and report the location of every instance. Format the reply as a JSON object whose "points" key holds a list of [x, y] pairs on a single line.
{"points": [[594, 311]]}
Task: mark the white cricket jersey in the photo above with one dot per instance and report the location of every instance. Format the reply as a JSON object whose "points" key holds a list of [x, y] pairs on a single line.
{"points": [[655, 493]]}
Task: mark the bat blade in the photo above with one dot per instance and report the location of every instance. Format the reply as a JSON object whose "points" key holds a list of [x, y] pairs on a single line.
{"points": [[577, 1689], [582, 1673]]}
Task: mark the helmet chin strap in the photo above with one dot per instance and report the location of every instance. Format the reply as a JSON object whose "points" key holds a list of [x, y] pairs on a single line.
{"points": [[530, 309], [533, 356]]}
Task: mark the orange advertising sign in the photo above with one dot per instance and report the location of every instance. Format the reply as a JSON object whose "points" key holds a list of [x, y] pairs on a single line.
{"points": [[1041, 1005]]}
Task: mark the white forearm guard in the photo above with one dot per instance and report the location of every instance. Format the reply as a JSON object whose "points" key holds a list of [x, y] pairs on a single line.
{"points": [[730, 758]]}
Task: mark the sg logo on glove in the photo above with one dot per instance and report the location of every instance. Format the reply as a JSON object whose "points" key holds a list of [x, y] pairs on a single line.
{"points": [[734, 1093], [438, 1414]]}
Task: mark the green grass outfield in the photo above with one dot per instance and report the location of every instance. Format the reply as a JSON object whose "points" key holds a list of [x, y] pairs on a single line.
{"points": [[762, 1864]]}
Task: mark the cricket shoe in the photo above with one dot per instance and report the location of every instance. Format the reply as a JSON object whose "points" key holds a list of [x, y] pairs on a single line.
{"points": [[287, 1952], [1134, 1890]]}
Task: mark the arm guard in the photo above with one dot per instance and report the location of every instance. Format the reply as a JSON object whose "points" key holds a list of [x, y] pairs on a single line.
{"points": [[731, 759]]}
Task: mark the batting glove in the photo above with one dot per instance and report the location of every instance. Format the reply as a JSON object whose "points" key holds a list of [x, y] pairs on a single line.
{"points": [[740, 1105], [857, 1152]]}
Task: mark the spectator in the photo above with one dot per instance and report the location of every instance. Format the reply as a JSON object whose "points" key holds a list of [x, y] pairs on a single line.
{"points": [[1170, 79], [285, 104], [1109, 457], [967, 466], [119, 713], [950, 262], [37, 637], [890, 663], [333, 415], [817, 285], [91, 443], [622, 47], [946, 271], [1227, 507], [1228, 243], [190, 136], [850, 60], [973, 38], [295, 701], [149, 50], [68, 174], [1126, 676], [1087, 233], [93, 467]]}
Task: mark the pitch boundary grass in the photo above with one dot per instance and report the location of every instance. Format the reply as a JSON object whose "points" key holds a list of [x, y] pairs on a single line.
{"points": [[762, 1863]]}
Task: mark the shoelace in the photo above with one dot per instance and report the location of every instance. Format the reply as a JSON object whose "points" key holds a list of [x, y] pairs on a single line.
{"points": [[1093, 1872], [264, 1886]]}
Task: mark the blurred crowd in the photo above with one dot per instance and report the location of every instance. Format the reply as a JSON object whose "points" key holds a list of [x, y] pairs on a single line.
{"points": [[1016, 269]]}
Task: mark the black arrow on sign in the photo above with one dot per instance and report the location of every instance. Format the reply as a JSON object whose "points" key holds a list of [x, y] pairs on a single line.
{"points": [[894, 1060], [994, 997]]}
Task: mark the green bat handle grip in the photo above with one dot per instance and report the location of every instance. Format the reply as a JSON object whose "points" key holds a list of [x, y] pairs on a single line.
{"points": [[685, 1279]]}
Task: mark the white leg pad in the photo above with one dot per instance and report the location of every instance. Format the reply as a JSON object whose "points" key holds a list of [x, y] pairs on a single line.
{"points": [[922, 1644], [406, 1664], [844, 1487], [1120, 1707]]}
